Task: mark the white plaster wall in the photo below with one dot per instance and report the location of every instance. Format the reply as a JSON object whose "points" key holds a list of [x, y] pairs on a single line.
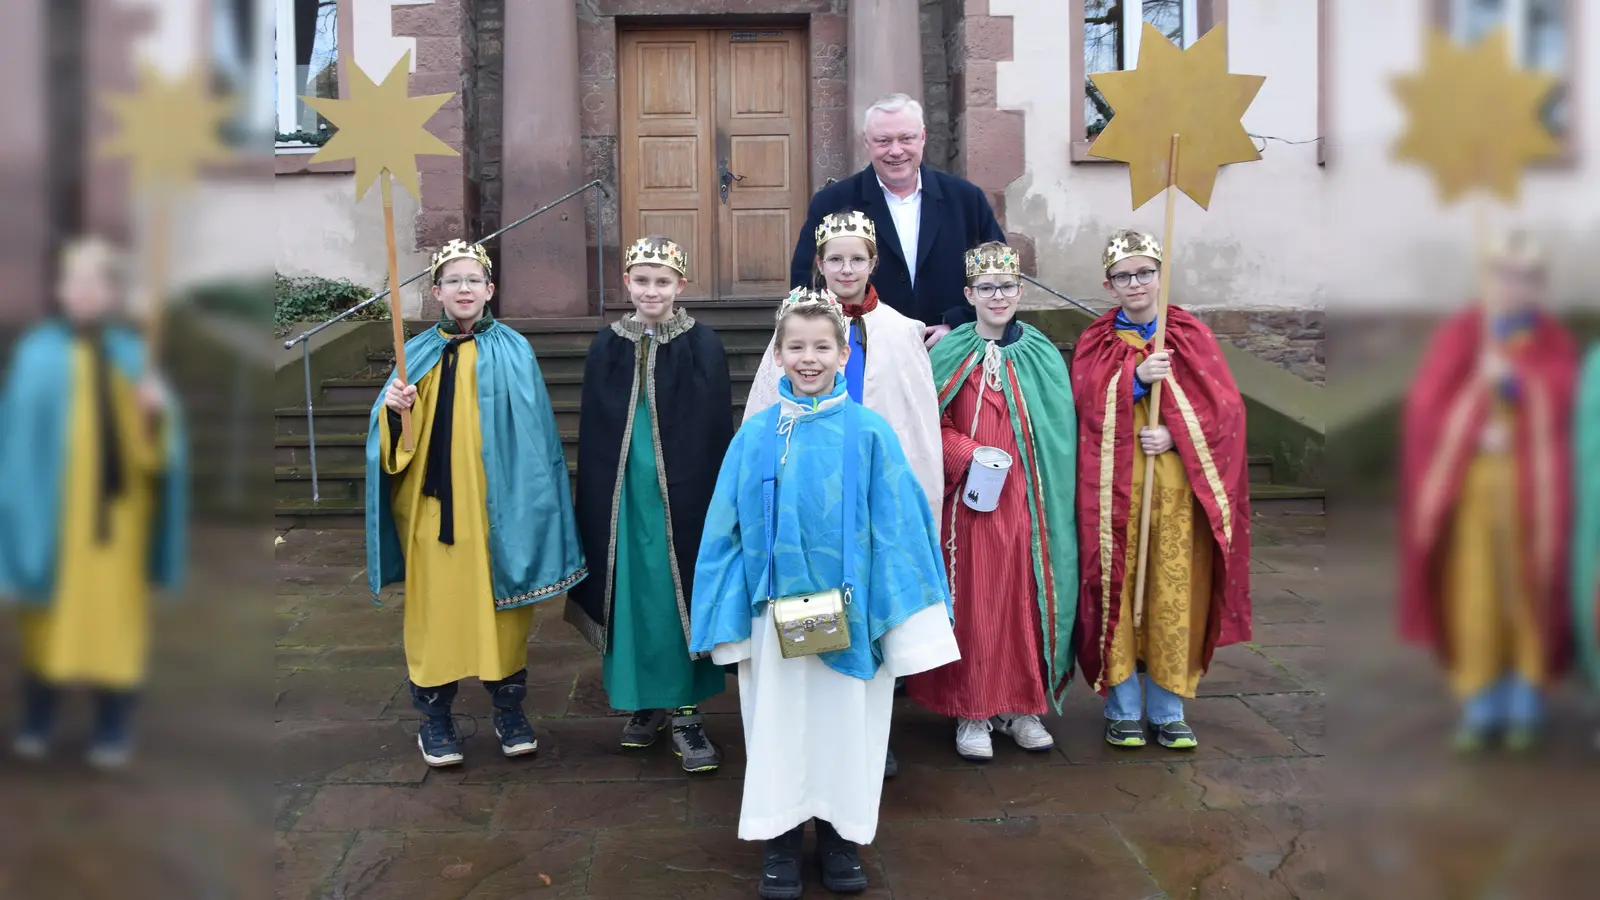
{"points": [[319, 227], [321, 230], [1257, 245], [1282, 231]]}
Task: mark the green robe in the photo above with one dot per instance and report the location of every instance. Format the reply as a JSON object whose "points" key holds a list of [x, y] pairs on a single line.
{"points": [[1586, 521], [648, 664]]}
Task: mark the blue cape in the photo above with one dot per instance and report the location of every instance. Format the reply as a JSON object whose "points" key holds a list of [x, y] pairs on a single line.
{"points": [[898, 571], [534, 552], [34, 412]]}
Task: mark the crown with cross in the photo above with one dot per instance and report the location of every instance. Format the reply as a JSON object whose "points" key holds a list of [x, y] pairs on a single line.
{"points": [[460, 249], [993, 260], [648, 251], [847, 224], [1128, 243]]}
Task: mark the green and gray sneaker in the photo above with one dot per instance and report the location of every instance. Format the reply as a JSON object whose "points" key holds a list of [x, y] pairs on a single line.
{"points": [[643, 729], [1124, 733], [1175, 736], [689, 741]]}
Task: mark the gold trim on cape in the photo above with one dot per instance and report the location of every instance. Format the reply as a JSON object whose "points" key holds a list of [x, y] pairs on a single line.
{"points": [[1108, 450], [1208, 464], [630, 327], [1431, 493]]}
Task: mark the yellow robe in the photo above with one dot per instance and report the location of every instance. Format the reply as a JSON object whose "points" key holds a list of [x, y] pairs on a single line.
{"points": [[97, 627], [452, 630], [1488, 612], [1177, 574]]}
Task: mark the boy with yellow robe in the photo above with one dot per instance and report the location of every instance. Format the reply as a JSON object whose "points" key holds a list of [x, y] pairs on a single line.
{"points": [[477, 517], [95, 511]]}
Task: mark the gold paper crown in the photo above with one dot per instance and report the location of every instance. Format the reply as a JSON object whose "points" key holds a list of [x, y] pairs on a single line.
{"points": [[657, 252], [851, 224], [1128, 243], [1001, 260], [459, 249], [804, 296]]}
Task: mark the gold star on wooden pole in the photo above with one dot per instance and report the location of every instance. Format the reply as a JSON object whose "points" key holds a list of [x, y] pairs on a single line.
{"points": [[1174, 100], [1473, 119], [382, 128], [167, 130]]}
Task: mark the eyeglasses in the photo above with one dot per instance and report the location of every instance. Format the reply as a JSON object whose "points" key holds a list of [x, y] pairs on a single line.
{"points": [[1123, 279], [838, 263], [987, 291], [474, 282]]}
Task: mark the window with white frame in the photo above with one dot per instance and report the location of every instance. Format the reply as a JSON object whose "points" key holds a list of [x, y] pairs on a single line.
{"points": [[307, 65], [1111, 31], [1536, 33]]}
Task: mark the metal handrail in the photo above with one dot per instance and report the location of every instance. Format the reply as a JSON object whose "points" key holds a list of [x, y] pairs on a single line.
{"points": [[1050, 290], [304, 339]]}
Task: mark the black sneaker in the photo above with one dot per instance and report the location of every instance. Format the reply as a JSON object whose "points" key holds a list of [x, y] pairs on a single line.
{"points": [[839, 861], [515, 732], [1124, 733], [643, 729], [690, 743], [780, 866], [1175, 736], [437, 741]]}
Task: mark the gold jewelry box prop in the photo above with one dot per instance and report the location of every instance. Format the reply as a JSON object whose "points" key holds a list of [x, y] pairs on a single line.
{"points": [[809, 624]]}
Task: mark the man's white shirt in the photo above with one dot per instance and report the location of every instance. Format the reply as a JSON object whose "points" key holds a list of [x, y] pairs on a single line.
{"points": [[907, 214]]}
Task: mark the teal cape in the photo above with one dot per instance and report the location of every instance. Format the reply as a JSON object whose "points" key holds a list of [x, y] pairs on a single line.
{"points": [[1038, 393], [34, 411], [1586, 519], [898, 572], [534, 553]]}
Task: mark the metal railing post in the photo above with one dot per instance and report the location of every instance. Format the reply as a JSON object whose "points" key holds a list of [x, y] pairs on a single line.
{"points": [[311, 424], [599, 255]]}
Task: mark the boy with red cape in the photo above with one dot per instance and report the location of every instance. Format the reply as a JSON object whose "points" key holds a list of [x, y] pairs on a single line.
{"points": [[1485, 502], [1197, 591]]}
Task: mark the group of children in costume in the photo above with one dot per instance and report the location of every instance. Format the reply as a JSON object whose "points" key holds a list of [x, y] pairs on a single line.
{"points": [[827, 549]]}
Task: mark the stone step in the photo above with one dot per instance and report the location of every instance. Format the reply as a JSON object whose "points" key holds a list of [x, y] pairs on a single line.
{"points": [[1260, 468], [1287, 500]]}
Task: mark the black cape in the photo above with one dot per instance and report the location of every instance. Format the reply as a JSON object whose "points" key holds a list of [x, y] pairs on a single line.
{"points": [[691, 398]]}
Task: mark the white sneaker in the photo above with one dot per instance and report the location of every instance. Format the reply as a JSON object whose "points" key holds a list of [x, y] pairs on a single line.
{"points": [[1028, 731], [972, 739], [31, 747]]}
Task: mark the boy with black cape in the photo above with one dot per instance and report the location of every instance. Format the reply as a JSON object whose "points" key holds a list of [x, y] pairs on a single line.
{"points": [[656, 418], [476, 517], [94, 512], [1013, 568]]}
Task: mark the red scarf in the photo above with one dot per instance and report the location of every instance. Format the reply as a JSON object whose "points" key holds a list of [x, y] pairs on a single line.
{"points": [[869, 302]]}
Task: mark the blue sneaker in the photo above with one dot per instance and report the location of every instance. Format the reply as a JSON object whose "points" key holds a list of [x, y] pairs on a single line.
{"points": [[437, 741], [510, 722]]}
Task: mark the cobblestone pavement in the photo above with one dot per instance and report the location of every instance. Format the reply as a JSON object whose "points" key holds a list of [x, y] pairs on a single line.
{"points": [[360, 816]]}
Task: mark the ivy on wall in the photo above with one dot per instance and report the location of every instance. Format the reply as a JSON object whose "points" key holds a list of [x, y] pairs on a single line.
{"points": [[313, 138], [318, 299]]}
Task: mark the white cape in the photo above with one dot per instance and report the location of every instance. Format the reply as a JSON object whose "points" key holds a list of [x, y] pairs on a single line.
{"points": [[898, 385]]}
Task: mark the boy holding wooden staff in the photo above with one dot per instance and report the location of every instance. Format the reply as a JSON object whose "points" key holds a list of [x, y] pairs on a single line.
{"points": [[1145, 654]]}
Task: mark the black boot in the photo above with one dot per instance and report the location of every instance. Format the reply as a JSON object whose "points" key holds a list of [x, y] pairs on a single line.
{"points": [[111, 747], [511, 724], [437, 737], [39, 702], [780, 866], [840, 861]]}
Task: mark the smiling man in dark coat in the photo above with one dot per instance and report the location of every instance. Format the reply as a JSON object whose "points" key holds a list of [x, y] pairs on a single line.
{"points": [[926, 220]]}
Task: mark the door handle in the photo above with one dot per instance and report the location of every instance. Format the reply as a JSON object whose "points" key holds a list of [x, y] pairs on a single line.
{"points": [[726, 178]]}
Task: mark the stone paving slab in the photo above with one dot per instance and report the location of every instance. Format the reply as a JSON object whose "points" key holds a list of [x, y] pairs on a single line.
{"points": [[358, 815]]}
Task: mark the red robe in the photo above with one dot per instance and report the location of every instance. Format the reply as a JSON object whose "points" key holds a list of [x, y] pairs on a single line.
{"points": [[1202, 408], [1001, 669], [1445, 414]]}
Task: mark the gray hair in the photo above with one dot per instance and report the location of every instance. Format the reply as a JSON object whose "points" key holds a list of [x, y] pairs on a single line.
{"points": [[893, 103]]}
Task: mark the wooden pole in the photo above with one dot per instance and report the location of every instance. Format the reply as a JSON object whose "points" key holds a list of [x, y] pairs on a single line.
{"points": [[156, 280], [386, 179], [1155, 389]]}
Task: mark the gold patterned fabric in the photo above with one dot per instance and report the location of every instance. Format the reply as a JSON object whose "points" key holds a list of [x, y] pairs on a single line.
{"points": [[1488, 612], [1178, 575]]}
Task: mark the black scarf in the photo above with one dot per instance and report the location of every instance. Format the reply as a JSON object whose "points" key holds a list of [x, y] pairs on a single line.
{"points": [[111, 480], [436, 474]]}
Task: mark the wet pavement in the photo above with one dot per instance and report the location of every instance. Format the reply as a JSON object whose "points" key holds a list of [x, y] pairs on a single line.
{"points": [[360, 816]]}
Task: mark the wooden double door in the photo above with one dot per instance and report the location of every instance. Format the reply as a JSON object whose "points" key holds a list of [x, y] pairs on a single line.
{"points": [[713, 152]]}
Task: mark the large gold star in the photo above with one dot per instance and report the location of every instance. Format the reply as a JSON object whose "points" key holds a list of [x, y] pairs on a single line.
{"points": [[1474, 119], [1184, 92], [381, 127], [167, 129]]}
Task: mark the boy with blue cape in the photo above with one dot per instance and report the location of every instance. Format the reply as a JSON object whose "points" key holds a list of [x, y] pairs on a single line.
{"points": [[816, 502], [95, 511], [656, 420], [1013, 560], [476, 517]]}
